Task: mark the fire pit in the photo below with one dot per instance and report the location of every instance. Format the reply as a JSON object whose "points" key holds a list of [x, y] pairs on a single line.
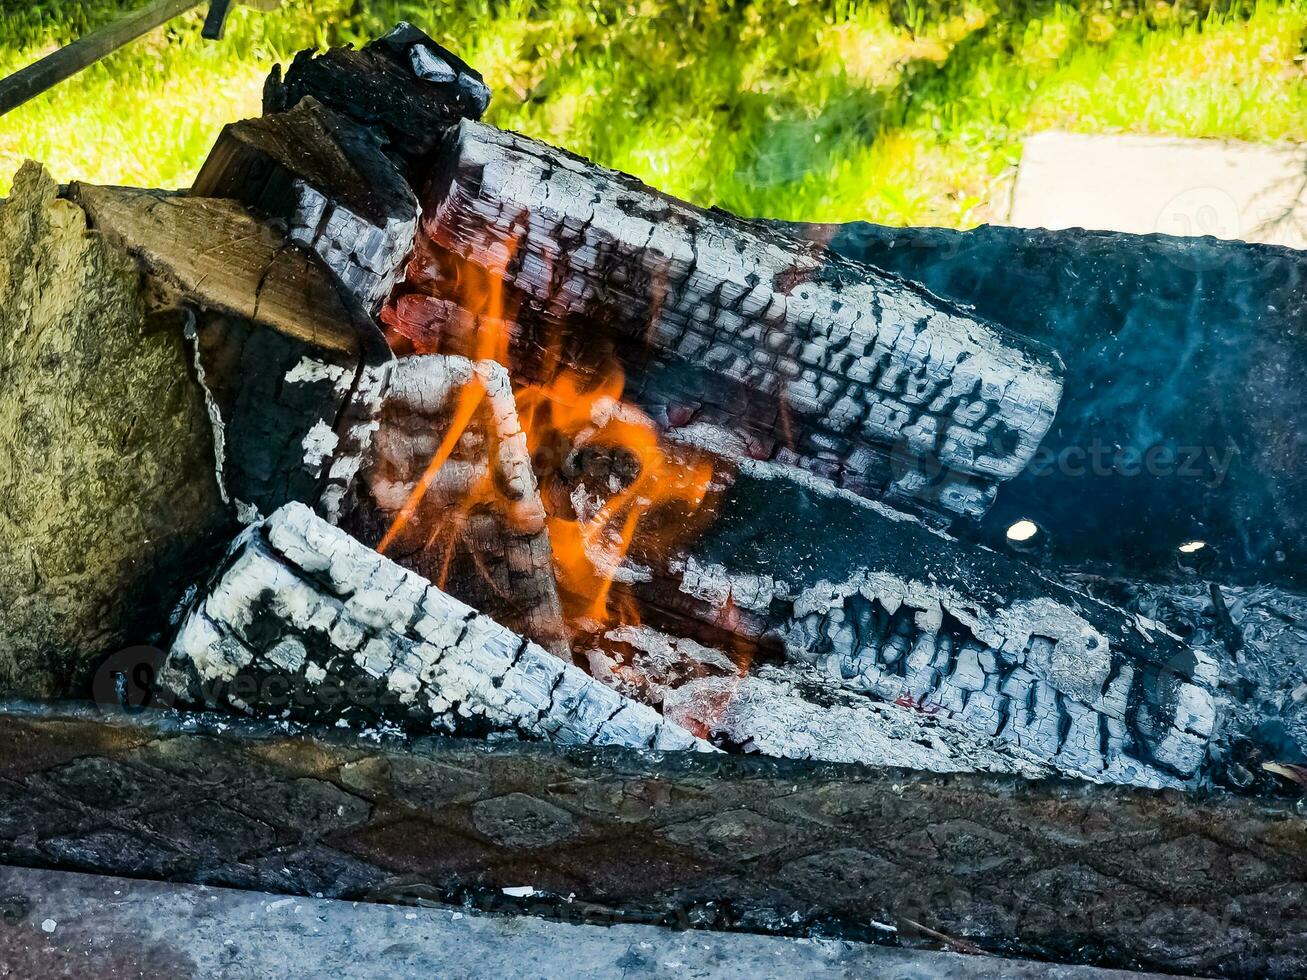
{"points": [[551, 532]]}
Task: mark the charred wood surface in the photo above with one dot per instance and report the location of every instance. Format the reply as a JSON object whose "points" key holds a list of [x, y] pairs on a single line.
{"points": [[305, 622], [873, 381], [878, 602], [328, 179], [1201, 884], [108, 497], [451, 493], [1186, 418], [406, 84]]}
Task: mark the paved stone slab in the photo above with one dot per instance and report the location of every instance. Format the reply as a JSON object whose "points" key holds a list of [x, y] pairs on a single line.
{"points": [[63, 924], [1145, 184]]}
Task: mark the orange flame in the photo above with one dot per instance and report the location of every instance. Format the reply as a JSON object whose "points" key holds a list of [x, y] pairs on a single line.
{"points": [[463, 308]]}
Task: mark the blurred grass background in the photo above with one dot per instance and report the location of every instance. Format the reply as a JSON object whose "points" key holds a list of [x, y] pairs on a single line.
{"points": [[901, 112]]}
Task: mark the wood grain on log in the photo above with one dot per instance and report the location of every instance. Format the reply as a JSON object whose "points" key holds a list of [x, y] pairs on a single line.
{"points": [[451, 493], [220, 256], [1210, 885], [108, 499], [879, 384], [305, 622]]}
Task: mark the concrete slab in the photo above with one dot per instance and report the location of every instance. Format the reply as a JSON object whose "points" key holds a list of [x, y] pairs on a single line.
{"points": [[1146, 184], [60, 924]]}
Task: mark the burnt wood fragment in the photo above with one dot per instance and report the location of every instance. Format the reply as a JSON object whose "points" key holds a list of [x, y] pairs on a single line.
{"points": [[792, 711], [328, 179], [405, 84], [1204, 884], [302, 621]]}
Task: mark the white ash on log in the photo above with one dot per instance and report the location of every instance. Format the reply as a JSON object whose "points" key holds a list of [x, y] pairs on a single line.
{"points": [[796, 569], [292, 365], [450, 494], [793, 711], [304, 622], [820, 361]]}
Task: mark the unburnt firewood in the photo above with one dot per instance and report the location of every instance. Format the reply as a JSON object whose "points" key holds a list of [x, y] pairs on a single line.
{"points": [[815, 359], [108, 497], [450, 494], [328, 179], [878, 602], [292, 365], [305, 622], [792, 711]]}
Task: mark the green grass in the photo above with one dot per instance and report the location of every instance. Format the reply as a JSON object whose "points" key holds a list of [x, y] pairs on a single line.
{"points": [[910, 112]]}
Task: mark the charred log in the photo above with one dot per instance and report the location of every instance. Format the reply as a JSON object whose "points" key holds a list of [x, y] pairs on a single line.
{"points": [[304, 622], [328, 179], [825, 363], [792, 711], [1186, 419], [450, 494], [880, 603]]}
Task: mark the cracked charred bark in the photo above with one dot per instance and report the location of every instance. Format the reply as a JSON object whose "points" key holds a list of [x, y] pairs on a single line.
{"points": [[328, 179], [875, 601], [305, 622], [874, 382]]}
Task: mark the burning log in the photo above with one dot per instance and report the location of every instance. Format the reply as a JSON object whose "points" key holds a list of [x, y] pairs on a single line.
{"points": [[879, 603], [816, 360], [305, 622], [450, 494]]}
